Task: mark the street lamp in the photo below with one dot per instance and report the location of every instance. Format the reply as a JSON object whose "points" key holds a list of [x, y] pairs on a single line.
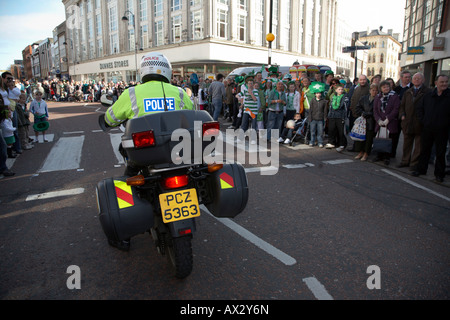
{"points": [[125, 19], [270, 36]]}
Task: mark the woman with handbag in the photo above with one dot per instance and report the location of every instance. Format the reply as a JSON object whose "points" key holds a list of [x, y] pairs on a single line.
{"points": [[364, 108], [385, 109]]}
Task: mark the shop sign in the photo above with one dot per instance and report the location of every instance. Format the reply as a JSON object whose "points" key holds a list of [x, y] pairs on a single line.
{"points": [[439, 44], [416, 50], [114, 64]]}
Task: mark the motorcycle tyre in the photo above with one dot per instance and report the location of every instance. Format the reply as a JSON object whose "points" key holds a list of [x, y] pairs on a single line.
{"points": [[180, 257]]}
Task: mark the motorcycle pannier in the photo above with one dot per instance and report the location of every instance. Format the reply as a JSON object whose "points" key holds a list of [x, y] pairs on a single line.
{"points": [[122, 213], [162, 125], [228, 191]]}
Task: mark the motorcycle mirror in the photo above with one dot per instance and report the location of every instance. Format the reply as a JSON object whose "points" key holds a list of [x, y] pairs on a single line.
{"points": [[106, 100]]}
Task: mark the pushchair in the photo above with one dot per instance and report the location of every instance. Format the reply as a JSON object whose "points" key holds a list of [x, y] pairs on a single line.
{"points": [[301, 132]]}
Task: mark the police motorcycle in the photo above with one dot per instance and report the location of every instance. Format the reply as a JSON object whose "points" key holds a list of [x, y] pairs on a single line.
{"points": [[164, 196]]}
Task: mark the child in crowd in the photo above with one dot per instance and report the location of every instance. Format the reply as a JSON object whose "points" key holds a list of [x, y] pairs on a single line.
{"points": [[317, 114], [288, 132], [24, 122], [38, 108], [8, 130], [336, 119]]}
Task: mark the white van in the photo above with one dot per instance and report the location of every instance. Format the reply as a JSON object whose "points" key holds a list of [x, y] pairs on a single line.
{"points": [[247, 70]]}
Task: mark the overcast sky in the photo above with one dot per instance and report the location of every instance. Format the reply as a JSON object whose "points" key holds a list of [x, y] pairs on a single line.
{"points": [[26, 21]]}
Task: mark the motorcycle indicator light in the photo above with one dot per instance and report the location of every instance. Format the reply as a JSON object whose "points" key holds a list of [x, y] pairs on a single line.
{"points": [[214, 167], [210, 128], [176, 182], [136, 181], [143, 139]]}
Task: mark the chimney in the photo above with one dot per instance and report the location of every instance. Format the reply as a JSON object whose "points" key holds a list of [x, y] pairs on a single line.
{"points": [[381, 28], [390, 32]]}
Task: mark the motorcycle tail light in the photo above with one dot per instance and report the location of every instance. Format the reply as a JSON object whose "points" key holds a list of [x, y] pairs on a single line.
{"points": [[176, 182], [210, 128], [184, 232], [143, 139]]}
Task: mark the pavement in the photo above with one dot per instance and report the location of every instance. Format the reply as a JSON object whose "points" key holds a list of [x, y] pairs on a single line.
{"points": [[393, 163]]}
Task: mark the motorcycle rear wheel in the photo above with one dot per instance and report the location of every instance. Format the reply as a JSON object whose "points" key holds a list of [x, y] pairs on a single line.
{"points": [[180, 256]]}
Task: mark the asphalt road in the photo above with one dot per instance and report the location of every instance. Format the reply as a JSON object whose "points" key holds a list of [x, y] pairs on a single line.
{"points": [[317, 229]]}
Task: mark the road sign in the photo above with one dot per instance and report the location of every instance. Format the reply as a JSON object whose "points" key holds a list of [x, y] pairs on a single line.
{"points": [[354, 48]]}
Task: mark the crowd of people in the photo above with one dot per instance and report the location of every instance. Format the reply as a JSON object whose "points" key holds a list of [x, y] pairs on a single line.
{"points": [[327, 103], [330, 105]]}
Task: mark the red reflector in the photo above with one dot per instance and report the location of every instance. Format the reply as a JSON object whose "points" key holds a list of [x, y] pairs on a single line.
{"points": [[176, 182], [143, 139], [210, 128], [184, 232]]}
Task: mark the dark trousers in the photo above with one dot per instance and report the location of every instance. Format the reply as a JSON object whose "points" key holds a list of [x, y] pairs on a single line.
{"points": [[336, 132], [365, 146], [439, 138]]}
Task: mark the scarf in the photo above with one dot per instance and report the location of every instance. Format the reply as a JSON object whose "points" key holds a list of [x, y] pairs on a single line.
{"points": [[384, 100], [336, 102]]}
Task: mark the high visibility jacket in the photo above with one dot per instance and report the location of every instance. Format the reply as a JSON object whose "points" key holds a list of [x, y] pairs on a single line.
{"points": [[145, 99]]}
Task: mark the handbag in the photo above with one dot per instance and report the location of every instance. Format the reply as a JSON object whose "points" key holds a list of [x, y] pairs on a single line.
{"points": [[382, 143], [358, 132]]}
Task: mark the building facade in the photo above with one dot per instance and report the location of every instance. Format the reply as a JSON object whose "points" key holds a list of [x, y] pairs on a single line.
{"points": [[27, 57], [203, 36], [426, 38], [383, 56]]}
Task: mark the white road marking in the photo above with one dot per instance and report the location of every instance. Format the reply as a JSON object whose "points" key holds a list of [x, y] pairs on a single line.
{"points": [[73, 132], [317, 289], [55, 194], [65, 155], [116, 139], [268, 170], [267, 247], [416, 184], [338, 161], [48, 136], [295, 166]]}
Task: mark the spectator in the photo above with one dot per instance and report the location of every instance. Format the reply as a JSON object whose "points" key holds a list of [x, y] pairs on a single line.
{"points": [[365, 108], [292, 102], [249, 98], [217, 92], [411, 125], [336, 119], [276, 104], [359, 91], [385, 110], [289, 131], [8, 130], [317, 114], [24, 122], [434, 113], [38, 108]]}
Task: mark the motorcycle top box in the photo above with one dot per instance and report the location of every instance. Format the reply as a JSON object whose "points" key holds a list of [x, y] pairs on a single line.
{"points": [[148, 140], [122, 213]]}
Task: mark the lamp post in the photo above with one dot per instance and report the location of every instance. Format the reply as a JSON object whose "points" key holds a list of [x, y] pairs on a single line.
{"points": [[125, 18], [270, 36]]}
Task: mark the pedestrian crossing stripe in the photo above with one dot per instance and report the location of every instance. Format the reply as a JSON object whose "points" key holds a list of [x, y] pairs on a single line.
{"points": [[226, 181], [124, 194]]}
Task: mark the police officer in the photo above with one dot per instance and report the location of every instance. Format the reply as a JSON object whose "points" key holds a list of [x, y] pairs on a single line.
{"points": [[155, 94]]}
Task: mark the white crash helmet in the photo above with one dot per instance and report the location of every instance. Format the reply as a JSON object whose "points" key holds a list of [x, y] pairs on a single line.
{"points": [[155, 66]]}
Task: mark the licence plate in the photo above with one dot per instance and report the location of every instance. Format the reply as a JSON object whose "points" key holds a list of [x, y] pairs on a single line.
{"points": [[179, 205]]}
